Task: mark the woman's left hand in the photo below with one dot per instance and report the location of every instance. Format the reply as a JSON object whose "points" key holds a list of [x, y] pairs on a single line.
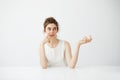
{"points": [[85, 40]]}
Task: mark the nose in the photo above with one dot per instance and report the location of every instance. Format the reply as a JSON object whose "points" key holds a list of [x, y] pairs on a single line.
{"points": [[51, 31]]}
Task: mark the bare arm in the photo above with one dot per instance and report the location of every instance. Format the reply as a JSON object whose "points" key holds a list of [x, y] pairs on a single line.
{"points": [[72, 60], [43, 59]]}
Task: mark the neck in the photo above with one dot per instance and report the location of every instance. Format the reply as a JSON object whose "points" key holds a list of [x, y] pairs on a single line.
{"points": [[53, 40]]}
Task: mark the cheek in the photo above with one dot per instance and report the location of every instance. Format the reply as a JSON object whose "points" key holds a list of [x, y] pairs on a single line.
{"points": [[55, 33], [46, 32]]}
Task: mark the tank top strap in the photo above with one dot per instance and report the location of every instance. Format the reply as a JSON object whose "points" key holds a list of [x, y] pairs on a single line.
{"points": [[63, 47]]}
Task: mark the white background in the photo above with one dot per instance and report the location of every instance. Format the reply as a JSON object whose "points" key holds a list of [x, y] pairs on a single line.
{"points": [[21, 29]]}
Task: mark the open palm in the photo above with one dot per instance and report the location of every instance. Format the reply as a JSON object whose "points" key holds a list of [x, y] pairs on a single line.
{"points": [[86, 39]]}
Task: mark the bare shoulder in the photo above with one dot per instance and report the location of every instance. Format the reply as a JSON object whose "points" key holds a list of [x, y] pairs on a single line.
{"points": [[66, 43], [67, 48]]}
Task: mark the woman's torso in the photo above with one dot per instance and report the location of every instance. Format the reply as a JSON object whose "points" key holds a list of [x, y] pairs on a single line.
{"points": [[56, 56]]}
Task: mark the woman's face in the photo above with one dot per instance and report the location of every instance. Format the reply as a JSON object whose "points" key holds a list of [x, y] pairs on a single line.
{"points": [[51, 30]]}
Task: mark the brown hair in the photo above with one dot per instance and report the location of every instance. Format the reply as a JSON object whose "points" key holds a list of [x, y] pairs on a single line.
{"points": [[50, 20]]}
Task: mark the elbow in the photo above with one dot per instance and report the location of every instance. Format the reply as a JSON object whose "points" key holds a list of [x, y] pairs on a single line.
{"points": [[44, 67], [72, 66]]}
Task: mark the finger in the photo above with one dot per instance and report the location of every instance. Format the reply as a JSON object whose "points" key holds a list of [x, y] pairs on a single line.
{"points": [[86, 39], [90, 38]]}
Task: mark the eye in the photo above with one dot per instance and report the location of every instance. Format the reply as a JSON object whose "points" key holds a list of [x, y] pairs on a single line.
{"points": [[49, 28], [54, 28]]}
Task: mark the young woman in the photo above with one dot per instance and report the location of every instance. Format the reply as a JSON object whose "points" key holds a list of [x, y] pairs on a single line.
{"points": [[57, 52]]}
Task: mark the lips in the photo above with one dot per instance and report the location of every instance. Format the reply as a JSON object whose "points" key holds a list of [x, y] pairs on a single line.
{"points": [[51, 35]]}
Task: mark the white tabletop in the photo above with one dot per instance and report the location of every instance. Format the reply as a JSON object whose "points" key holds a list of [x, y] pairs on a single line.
{"points": [[61, 73]]}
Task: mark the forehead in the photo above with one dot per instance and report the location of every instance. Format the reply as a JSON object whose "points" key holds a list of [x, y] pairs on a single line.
{"points": [[51, 25]]}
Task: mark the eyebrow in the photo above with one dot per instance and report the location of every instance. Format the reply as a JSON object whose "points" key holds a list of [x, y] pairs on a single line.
{"points": [[53, 27]]}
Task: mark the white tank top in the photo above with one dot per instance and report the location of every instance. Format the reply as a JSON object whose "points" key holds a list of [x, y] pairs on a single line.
{"points": [[56, 56]]}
